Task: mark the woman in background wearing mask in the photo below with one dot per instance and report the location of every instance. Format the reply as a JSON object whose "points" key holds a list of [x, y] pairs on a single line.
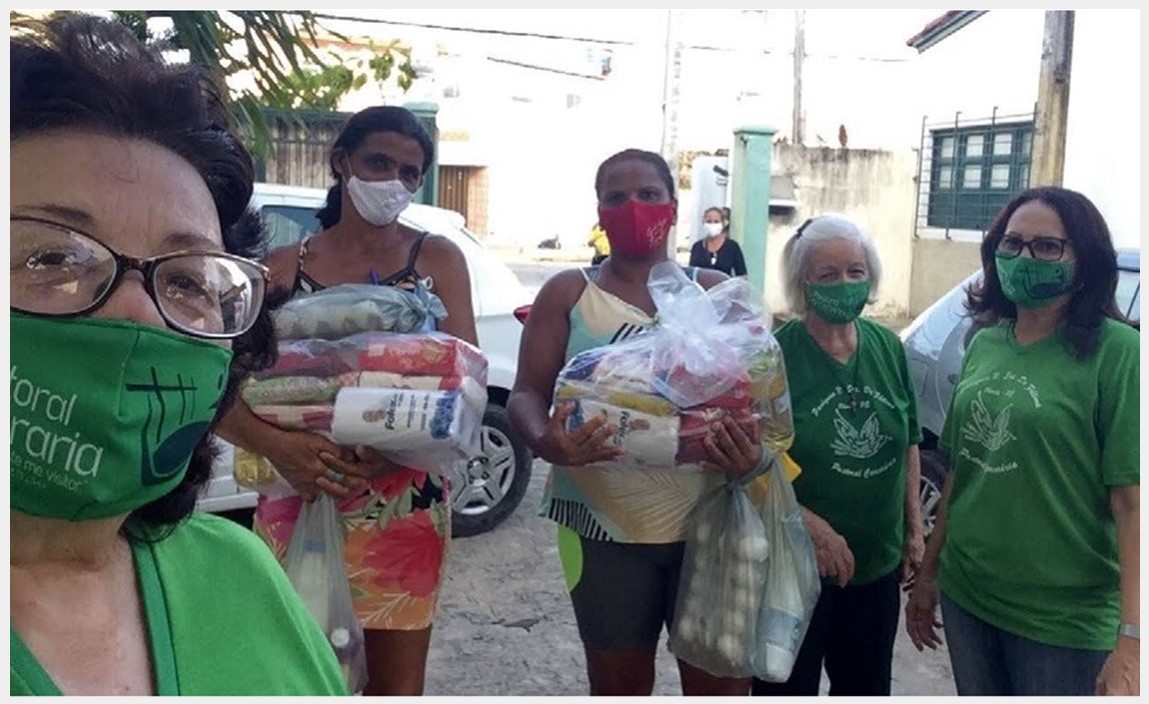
{"points": [[717, 251], [378, 162], [856, 438], [1035, 553], [135, 315], [621, 533]]}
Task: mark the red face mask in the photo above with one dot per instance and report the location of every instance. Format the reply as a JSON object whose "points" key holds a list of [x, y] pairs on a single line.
{"points": [[637, 229]]}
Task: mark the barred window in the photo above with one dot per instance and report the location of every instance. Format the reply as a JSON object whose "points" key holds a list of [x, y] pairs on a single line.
{"points": [[970, 170]]}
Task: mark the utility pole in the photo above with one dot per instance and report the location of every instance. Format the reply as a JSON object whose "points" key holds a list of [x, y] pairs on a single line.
{"points": [[670, 88], [1048, 165], [798, 130]]}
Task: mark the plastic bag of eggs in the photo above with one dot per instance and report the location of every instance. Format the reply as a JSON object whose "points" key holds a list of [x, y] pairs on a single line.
{"points": [[719, 593]]}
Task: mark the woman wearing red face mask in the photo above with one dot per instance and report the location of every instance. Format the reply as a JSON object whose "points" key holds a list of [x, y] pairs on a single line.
{"points": [[620, 533]]}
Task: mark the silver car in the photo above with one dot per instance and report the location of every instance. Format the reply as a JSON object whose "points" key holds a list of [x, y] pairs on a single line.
{"points": [[935, 344]]}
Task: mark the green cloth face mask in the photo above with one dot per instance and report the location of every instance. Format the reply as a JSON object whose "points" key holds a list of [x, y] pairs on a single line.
{"points": [[1032, 283], [105, 413], [838, 303]]}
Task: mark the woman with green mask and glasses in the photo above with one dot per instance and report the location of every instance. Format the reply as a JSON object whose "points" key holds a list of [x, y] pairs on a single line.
{"points": [[856, 436], [136, 311], [1035, 553]]}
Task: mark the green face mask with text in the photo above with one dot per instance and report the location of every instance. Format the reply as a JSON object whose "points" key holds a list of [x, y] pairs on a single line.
{"points": [[838, 303], [1031, 283], [105, 413]]}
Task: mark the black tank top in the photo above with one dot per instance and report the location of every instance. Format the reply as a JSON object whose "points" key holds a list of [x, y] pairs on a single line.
{"points": [[405, 278]]}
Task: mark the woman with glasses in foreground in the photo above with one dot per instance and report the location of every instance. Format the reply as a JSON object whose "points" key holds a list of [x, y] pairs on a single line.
{"points": [[135, 313], [1035, 551]]}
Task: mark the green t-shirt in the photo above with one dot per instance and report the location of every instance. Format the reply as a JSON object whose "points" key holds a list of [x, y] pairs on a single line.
{"points": [[853, 423], [1036, 439], [234, 625]]}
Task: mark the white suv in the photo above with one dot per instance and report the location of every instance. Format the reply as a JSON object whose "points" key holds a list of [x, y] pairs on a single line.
{"points": [[493, 484]]}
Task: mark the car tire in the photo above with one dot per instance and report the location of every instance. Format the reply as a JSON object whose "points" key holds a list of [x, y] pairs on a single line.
{"points": [[935, 467], [492, 485]]}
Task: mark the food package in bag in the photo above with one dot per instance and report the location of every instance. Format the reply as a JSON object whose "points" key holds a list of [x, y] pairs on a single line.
{"points": [[710, 354], [347, 309], [649, 440], [720, 587], [428, 430], [405, 354], [314, 564], [792, 584]]}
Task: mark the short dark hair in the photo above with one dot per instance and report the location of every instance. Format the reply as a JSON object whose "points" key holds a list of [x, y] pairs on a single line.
{"points": [[77, 71], [381, 118], [1095, 271], [651, 158]]}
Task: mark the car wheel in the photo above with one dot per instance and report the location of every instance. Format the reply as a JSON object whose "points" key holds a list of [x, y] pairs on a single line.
{"points": [[934, 471], [491, 485]]}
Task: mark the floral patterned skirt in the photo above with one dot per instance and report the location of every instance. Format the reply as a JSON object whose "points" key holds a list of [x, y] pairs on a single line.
{"points": [[398, 533]]}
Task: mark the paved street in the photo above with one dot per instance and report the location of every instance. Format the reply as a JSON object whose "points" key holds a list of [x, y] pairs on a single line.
{"points": [[505, 624]]}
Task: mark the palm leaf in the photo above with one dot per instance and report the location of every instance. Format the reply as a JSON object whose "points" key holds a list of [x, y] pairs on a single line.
{"points": [[278, 52]]}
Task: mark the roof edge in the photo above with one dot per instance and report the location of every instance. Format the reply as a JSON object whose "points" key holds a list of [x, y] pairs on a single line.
{"points": [[942, 27]]}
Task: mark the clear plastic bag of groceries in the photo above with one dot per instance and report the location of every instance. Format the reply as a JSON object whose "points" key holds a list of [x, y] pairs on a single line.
{"points": [[315, 566], [347, 309], [792, 584], [711, 353], [418, 398], [723, 574]]}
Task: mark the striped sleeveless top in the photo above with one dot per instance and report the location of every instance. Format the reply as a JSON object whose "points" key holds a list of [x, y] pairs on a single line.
{"points": [[631, 505]]}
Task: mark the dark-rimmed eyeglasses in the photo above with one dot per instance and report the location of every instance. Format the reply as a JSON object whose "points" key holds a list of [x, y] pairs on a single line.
{"points": [[1046, 249], [57, 271]]}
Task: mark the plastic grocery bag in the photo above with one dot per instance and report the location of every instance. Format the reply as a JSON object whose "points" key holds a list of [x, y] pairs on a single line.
{"points": [[721, 585], [339, 311], [315, 566], [434, 354], [710, 353], [792, 584], [418, 398]]}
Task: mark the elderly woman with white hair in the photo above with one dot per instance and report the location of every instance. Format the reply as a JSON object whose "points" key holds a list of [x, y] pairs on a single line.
{"points": [[856, 436]]}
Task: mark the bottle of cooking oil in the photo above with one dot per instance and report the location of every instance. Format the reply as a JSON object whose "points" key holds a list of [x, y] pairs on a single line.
{"points": [[770, 393]]}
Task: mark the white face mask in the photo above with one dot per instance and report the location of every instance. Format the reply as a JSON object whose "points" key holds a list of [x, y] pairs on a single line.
{"points": [[379, 202], [713, 229]]}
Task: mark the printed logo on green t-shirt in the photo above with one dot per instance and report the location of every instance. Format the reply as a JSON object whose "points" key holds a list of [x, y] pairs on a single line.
{"points": [[859, 443], [857, 428], [988, 422]]}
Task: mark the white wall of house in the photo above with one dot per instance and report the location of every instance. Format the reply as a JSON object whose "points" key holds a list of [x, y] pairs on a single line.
{"points": [[1103, 140]]}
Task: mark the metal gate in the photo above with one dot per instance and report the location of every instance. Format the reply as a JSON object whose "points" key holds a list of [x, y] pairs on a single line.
{"points": [[300, 148]]}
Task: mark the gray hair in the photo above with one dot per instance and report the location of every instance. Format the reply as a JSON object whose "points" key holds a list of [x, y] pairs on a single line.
{"points": [[823, 228]]}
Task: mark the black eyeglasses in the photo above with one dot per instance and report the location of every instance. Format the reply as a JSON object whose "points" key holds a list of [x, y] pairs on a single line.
{"points": [[59, 272], [1046, 249]]}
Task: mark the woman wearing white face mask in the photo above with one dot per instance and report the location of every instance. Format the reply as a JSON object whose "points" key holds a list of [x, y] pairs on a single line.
{"points": [[378, 162], [717, 251]]}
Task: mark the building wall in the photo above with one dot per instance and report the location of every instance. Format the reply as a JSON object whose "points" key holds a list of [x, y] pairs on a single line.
{"points": [[873, 187], [938, 266]]}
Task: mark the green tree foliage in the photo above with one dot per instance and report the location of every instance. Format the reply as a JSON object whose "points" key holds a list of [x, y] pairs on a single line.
{"points": [[271, 61]]}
